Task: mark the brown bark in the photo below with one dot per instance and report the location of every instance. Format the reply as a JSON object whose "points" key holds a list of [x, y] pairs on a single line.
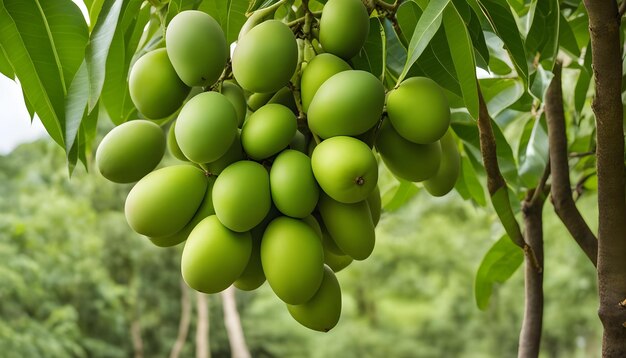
{"points": [[232, 321], [530, 335], [135, 334], [604, 22], [185, 320], [202, 327], [561, 191]]}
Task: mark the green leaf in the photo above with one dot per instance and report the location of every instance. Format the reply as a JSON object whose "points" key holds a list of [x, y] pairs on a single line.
{"points": [[583, 82], [230, 14], [540, 80], [462, 52], [500, 17], [394, 198], [478, 40], [407, 15], [45, 43], [500, 93], [77, 98], [396, 53], [469, 180], [99, 46], [426, 27], [115, 93], [498, 265], [370, 58], [567, 39], [5, 66], [535, 158], [543, 35]]}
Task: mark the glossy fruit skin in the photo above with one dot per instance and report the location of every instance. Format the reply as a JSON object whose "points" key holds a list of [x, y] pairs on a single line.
{"points": [[336, 262], [197, 47], [164, 201], [293, 186], [405, 159], [375, 204], [155, 88], [419, 110], [233, 154], [445, 179], [252, 276], [293, 259], [284, 96], [214, 257], [345, 169], [206, 127], [241, 195], [298, 142], [322, 312], [348, 103], [236, 97], [266, 57], [350, 226], [130, 151], [321, 68], [268, 131], [172, 145], [258, 100], [205, 210], [344, 27]]}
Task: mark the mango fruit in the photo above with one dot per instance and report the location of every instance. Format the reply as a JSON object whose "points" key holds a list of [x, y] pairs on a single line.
{"points": [[445, 178], [268, 131], [321, 68], [293, 187], [344, 27]]}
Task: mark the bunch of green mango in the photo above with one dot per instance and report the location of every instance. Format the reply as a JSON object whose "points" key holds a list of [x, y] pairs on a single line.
{"points": [[277, 143]]}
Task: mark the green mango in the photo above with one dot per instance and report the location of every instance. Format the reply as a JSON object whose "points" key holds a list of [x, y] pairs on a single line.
{"points": [[252, 276], [445, 179], [348, 103], [345, 169], [293, 186], [206, 127], [418, 110], [233, 154], [321, 68], [344, 27], [268, 131], [298, 142], [155, 88], [284, 96], [236, 97], [375, 204], [322, 312], [336, 262], [197, 47], [164, 201], [214, 257], [293, 259], [405, 159], [241, 195], [130, 151], [172, 145], [312, 221], [258, 100], [266, 57], [206, 209], [350, 226]]}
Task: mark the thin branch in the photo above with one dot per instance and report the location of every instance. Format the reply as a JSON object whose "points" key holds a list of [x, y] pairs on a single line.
{"points": [[538, 193], [185, 320], [562, 199], [582, 154], [622, 8]]}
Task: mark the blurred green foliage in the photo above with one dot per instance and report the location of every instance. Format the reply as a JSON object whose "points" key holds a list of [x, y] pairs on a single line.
{"points": [[74, 278]]}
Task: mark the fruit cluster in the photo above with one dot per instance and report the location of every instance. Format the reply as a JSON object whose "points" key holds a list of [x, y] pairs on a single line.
{"points": [[281, 180]]}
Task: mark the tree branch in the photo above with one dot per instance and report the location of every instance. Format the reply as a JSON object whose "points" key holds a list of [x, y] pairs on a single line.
{"points": [[203, 349], [185, 319], [232, 321], [622, 8], [562, 199]]}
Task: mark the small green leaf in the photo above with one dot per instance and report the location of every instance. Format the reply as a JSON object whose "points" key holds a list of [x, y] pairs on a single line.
{"points": [[543, 36], [567, 39], [370, 58], [77, 98], [462, 53], [539, 82], [426, 27], [500, 93], [5, 66], [478, 40], [498, 265], [470, 181], [536, 155], [230, 14], [394, 198], [395, 52]]}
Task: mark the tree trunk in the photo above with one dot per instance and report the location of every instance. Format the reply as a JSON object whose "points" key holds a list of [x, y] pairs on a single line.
{"points": [[202, 327], [135, 334], [604, 23], [232, 321], [530, 335], [185, 319]]}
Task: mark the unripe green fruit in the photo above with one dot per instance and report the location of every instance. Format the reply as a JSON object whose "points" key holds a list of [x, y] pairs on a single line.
{"points": [[345, 169], [241, 195], [321, 68], [214, 257], [197, 47], [322, 312], [164, 201], [336, 262], [266, 57], [252, 276], [448, 173], [205, 210], [314, 224], [206, 127], [298, 142], [405, 159], [172, 145], [293, 186], [293, 259], [418, 110], [233, 154], [154, 86], [285, 97], [350, 226], [344, 27], [330, 244], [258, 100], [236, 97], [268, 131], [348, 103], [130, 151], [375, 205]]}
